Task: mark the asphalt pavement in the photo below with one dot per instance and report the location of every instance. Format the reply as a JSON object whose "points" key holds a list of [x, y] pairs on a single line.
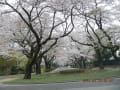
{"points": [[114, 85]]}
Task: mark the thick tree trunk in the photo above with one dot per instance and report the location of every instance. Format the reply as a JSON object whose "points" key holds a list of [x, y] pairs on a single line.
{"points": [[38, 65], [101, 65], [80, 63], [38, 68], [28, 71], [48, 62], [47, 68], [100, 59], [34, 68], [84, 64]]}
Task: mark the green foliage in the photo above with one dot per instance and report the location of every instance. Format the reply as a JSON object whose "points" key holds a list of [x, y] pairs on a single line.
{"points": [[21, 59], [104, 52], [12, 64], [21, 70], [42, 69], [6, 64], [14, 70]]}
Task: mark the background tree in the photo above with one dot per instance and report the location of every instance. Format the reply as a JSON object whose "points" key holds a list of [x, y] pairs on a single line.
{"points": [[94, 17], [38, 31], [49, 60]]}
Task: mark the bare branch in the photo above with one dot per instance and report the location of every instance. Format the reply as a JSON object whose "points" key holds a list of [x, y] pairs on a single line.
{"points": [[86, 44]]}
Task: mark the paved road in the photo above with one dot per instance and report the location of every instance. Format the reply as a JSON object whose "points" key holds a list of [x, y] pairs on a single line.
{"points": [[115, 85]]}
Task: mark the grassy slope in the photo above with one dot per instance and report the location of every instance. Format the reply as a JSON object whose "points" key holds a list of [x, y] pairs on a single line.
{"points": [[49, 78]]}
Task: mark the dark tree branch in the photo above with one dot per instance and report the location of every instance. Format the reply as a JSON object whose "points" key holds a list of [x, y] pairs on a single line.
{"points": [[86, 44], [50, 47]]}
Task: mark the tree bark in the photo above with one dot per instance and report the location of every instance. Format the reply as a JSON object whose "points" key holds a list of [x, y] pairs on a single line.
{"points": [[47, 68], [80, 63], [47, 64], [84, 64], [28, 71], [99, 58], [38, 68], [101, 65]]}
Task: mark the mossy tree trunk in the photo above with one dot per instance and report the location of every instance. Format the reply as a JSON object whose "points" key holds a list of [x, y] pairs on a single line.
{"points": [[99, 58]]}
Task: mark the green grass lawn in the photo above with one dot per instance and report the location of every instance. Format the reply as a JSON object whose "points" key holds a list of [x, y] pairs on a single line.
{"points": [[51, 78]]}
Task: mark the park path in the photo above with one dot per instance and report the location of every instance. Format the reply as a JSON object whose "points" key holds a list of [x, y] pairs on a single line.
{"points": [[7, 80]]}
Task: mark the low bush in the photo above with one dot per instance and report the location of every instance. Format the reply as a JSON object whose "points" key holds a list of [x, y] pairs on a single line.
{"points": [[14, 70], [21, 70], [70, 71], [7, 65]]}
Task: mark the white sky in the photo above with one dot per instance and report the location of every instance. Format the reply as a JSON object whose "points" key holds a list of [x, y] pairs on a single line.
{"points": [[11, 1]]}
